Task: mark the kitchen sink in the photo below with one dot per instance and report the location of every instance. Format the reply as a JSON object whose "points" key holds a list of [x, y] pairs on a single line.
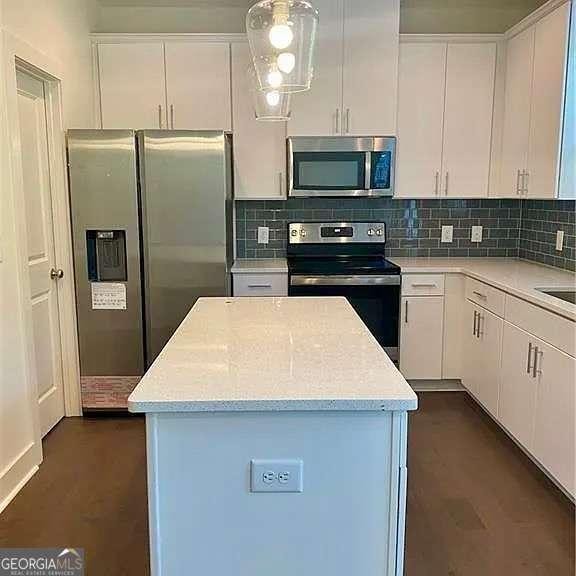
{"points": [[566, 294]]}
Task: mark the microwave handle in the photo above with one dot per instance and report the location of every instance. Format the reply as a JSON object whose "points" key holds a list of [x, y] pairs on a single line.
{"points": [[368, 171]]}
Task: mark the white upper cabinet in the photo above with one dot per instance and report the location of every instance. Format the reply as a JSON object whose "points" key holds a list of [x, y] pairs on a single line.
{"points": [[519, 57], [548, 85], [180, 85], [534, 107], [259, 146], [446, 103], [198, 85], [370, 67], [132, 89], [318, 111], [354, 91], [468, 114], [421, 90]]}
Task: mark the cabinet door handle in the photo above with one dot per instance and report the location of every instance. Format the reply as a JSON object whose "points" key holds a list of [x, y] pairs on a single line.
{"points": [[437, 183], [535, 371], [172, 116], [525, 182], [480, 332], [347, 120], [259, 286], [160, 116], [528, 367], [281, 183], [474, 327], [415, 285], [480, 295], [446, 183], [406, 313], [337, 121]]}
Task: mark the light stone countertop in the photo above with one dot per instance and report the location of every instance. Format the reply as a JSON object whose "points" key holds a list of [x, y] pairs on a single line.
{"points": [[517, 277], [260, 266], [272, 354]]}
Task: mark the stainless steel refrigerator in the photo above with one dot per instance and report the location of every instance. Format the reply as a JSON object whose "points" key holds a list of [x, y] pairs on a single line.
{"points": [[152, 232]]}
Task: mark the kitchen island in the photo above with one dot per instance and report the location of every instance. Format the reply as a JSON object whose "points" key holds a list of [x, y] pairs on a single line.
{"points": [[276, 438]]}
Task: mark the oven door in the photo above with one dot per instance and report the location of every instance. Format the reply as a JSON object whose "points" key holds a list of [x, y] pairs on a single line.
{"points": [[376, 300]]}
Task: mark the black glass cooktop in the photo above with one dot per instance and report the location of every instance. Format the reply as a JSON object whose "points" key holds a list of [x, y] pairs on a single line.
{"points": [[374, 265]]}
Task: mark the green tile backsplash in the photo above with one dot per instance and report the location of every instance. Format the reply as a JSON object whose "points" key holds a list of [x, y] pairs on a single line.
{"points": [[512, 228]]}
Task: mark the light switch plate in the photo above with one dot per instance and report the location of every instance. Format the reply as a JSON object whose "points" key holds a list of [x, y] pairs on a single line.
{"points": [[447, 234], [560, 240], [276, 476], [476, 234], [263, 234]]}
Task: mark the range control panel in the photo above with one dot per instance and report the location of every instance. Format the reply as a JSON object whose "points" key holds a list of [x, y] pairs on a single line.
{"points": [[337, 232]]}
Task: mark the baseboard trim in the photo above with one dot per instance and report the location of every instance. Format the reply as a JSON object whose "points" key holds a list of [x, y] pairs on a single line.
{"points": [[14, 492]]}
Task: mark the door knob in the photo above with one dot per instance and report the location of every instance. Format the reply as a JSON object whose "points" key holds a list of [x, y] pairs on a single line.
{"points": [[56, 274]]}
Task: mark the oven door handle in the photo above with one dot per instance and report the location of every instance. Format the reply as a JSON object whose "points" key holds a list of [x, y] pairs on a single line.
{"points": [[391, 280]]}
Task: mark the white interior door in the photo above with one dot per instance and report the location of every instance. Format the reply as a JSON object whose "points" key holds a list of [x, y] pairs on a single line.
{"points": [[421, 90], [198, 85], [469, 104], [40, 249]]}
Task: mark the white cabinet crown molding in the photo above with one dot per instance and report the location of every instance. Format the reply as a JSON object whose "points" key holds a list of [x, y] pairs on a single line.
{"points": [[114, 38], [534, 17], [450, 38]]}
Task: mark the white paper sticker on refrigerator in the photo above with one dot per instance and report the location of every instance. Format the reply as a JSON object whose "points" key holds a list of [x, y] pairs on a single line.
{"points": [[108, 296]]}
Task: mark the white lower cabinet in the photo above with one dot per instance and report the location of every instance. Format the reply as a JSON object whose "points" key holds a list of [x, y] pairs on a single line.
{"points": [[554, 430], [264, 284], [537, 401], [518, 391], [421, 332], [482, 349]]}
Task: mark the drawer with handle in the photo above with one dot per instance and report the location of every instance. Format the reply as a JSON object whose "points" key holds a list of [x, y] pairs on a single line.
{"points": [[422, 285], [260, 285], [486, 296]]}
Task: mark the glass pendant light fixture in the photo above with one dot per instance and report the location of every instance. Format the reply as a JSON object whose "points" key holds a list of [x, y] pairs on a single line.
{"points": [[269, 104], [282, 37]]}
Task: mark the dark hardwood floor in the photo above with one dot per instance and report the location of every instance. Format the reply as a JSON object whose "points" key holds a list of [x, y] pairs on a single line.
{"points": [[476, 505]]}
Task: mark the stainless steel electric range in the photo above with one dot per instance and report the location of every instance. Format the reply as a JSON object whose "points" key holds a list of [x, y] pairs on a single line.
{"points": [[348, 259]]}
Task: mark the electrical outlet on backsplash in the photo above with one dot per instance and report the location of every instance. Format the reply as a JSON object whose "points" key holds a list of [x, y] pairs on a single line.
{"points": [[511, 228]]}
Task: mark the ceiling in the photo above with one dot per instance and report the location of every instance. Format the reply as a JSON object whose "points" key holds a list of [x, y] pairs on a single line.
{"points": [[179, 3], [458, 4], [416, 16]]}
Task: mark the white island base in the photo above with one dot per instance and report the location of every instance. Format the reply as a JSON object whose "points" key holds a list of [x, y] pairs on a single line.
{"points": [[212, 409]]}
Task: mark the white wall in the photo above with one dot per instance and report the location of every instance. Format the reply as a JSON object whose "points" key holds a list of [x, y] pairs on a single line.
{"points": [[57, 29], [151, 19]]}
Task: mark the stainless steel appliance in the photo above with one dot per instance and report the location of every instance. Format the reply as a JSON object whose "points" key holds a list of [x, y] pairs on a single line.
{"points": [[341, 166], [347, 259], [152, 232]]}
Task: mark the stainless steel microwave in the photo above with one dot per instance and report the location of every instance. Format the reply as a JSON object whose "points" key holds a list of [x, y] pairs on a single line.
{"points": [[341, 166]]}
